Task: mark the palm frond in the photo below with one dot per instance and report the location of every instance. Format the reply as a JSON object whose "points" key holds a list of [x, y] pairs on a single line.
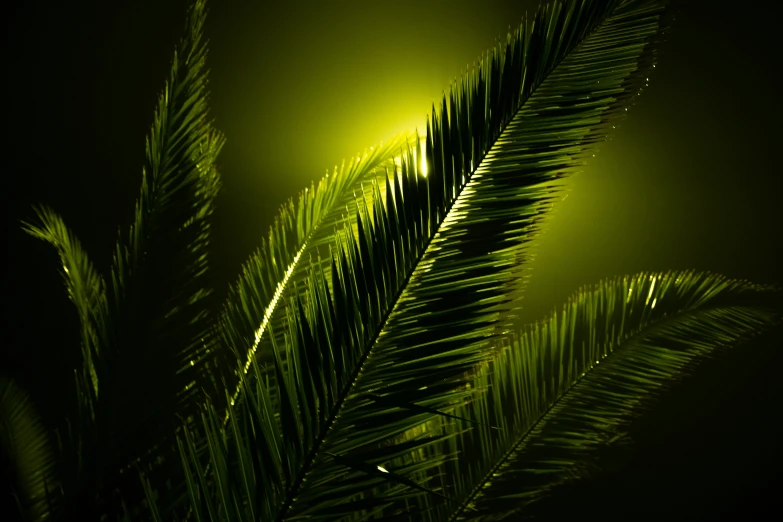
{"points": [[301, 233], [162, 307], [256, 304], [565, 387], [77, 468], [26, 452], [86, 290], [148, 343], [417, 295]]}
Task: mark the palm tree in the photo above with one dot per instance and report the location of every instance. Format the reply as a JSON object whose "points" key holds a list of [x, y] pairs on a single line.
{"points": [[368, 363]]}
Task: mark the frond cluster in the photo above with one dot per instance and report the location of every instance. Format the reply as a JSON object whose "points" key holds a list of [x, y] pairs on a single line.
{"points": [[376, 369]]}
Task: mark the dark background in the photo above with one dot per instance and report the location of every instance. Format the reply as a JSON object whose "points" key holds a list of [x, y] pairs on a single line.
{"points": [[690, 180]]}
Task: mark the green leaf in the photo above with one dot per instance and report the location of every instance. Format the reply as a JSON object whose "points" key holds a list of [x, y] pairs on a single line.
{"points": [[148, 343], [86, 290], [162, 303], [27, 451], [277, 270], [565, 387], [422, 281]]}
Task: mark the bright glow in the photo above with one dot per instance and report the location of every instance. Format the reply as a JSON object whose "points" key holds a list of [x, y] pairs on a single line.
{"points": [[381, 468], [423, 160], [649, 294]]}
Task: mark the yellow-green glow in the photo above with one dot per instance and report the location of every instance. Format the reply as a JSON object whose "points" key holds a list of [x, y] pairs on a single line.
{"points": [[422, 161], [649, 294]]}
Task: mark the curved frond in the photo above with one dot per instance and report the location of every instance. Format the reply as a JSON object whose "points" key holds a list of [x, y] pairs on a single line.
{"points": [[26, 452], [423, 282], [565, 387], [301, 233], [86, 290]]}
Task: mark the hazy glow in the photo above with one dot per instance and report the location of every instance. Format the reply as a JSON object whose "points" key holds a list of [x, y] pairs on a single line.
{"points": [[422, 163]]}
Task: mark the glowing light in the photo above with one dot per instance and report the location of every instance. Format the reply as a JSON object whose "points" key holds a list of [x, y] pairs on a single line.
{"points": [[423, 160], [649, 295], [382, 469]]}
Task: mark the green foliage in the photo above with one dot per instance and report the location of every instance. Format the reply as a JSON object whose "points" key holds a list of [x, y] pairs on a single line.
{"points": [[379, 370], [26, 453], [563, 388], [147, 338]]}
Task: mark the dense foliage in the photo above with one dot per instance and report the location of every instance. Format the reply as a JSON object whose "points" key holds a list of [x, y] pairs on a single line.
{"points": [[369, 364]]}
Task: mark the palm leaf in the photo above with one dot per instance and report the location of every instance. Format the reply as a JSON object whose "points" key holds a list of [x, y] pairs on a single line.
{"points": [[161, 333], [25, 447], [256, 304], [423, 281], [86, 290], [76, 468], [147, 343], [564, 387], [301, 233]]}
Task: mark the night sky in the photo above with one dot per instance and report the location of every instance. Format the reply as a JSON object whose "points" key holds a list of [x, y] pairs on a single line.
{"points": [[691, 179]]}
